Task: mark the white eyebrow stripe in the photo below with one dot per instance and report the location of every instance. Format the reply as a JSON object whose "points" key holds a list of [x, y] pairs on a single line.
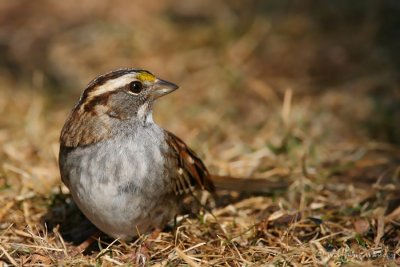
{"points": [[111, 85]]}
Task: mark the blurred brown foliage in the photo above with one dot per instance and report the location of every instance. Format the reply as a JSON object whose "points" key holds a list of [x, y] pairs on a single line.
{"points": [[259, 46]]}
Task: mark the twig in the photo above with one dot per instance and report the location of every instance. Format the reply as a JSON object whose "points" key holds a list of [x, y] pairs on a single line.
{"points": [[8, 256], [186, 258]]}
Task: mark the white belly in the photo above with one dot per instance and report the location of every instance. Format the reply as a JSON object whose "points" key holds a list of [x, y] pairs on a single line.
{"points": [[122, 186]]}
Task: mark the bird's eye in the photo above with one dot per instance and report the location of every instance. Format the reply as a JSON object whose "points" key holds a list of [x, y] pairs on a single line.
{"points": [[135, 87]]}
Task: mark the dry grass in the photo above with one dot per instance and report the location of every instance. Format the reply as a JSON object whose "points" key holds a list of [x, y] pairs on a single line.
{"points": [[250, 104]]}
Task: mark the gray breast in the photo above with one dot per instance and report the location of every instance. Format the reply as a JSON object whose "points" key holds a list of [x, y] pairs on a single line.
{"points": [[120, 184], [127, 163]]}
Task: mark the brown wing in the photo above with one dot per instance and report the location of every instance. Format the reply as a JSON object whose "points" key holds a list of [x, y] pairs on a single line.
{"points": [[191, 171]]}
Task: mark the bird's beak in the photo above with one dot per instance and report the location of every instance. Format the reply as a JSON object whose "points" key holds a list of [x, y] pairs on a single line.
{"points": [[161, 88]]}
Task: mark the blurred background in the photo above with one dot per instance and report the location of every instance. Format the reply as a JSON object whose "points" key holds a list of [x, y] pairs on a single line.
{"points": [[301, 92], [334, 63]]}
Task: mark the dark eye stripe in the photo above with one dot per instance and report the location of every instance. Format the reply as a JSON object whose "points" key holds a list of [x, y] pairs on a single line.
{"points": [[97, 100]]}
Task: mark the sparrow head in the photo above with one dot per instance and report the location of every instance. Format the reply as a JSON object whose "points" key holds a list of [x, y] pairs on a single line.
{"points": [[124, 93], [121, 96]]}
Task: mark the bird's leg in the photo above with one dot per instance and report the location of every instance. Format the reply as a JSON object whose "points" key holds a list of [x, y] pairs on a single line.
{"points": [[152, 237], [85, 244], [142, 253]]}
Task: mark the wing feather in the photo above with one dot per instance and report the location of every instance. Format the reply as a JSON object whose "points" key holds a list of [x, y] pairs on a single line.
{"points": [[192, 173]]}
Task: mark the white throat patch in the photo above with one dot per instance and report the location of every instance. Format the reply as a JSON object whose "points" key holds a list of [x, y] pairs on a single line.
{"points": [[144, 115]]}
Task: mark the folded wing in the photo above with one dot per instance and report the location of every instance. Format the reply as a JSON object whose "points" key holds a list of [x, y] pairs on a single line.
{"points": [[191, 171]]}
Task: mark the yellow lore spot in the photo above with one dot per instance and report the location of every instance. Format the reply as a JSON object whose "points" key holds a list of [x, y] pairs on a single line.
{"points": [[146, 77]]}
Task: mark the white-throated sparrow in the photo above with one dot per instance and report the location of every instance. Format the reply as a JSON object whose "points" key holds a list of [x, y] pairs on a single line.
{"points": [[124, 172]]}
